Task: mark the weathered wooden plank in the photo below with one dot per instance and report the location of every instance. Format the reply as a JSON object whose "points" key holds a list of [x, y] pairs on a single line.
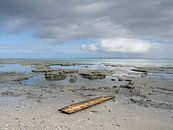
{"points": [[85, 104]]}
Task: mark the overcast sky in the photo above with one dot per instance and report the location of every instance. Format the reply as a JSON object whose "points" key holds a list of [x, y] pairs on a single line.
{"points": [[86, 28]]}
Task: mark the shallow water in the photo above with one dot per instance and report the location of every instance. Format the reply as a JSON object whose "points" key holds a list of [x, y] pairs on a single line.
{"points": [[77, 67], [40, 80], [168, 76], [15, 68], [140, 62], [98, 67], [124, 61], [36, 80], [160, 76], [88, 67]]}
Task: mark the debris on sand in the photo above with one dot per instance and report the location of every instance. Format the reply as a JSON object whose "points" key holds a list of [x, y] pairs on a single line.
{"points": [[85, 104]]}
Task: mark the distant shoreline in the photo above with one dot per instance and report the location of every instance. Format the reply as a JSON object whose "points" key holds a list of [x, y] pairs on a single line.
{"points": [[143, 61]]}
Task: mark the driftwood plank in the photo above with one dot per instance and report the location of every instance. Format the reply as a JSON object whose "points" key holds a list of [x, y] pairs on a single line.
{"points": [[85, 104]]}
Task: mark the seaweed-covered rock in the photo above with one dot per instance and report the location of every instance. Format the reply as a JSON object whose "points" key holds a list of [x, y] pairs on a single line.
{"points": [[58, 74], [93, 75], [55, 76], [47, 70], [69, 71]]}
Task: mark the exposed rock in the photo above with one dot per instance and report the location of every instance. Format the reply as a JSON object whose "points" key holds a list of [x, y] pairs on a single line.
{"points": [[9, 93], [66, 64], [46, 70], [8, 73], [126, 86], [51, 74], [21, 78], [15, 93], [150, 103], [115, 86], [138, 70], [55, 76], [114, 65], [144, 72], [164, 69], [42, 70], [129, 80], [93, 75], [69, 71], [14, 77], [73, 79], [131, 83], [119, 79], [166, 89]]}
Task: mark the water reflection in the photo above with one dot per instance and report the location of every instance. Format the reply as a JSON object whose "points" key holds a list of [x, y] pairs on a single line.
{"points": [[15, 68]]}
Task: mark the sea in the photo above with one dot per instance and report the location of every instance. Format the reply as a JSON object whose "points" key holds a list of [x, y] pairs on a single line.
{"points": [[123, 61], [149, 61]]}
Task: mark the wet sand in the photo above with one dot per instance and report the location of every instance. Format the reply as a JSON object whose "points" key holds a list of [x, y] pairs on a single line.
{"points": [[143, 96]]}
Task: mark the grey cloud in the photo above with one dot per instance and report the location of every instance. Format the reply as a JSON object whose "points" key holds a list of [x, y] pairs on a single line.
{"points": [[91, 19]]}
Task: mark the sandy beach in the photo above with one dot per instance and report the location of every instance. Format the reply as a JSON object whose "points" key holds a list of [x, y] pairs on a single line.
{"points": [[33, 91], [86, 65]]}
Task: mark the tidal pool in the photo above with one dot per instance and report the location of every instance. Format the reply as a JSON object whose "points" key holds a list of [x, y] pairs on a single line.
{"points": [[15, 68]]}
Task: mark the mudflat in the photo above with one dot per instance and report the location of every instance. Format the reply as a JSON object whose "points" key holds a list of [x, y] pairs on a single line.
{"points": [[33, 91]]}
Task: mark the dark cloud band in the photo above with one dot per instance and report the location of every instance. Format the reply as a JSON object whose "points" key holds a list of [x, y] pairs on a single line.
{"points": [[92, 19]]}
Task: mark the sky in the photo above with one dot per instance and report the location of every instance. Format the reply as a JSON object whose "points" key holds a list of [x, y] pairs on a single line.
{"points": [[86, 28]]}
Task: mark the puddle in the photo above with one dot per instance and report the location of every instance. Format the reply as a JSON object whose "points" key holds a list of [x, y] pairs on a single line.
{"points": [[36, 80], [15, 68], [77, 67], [39, 80]]}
